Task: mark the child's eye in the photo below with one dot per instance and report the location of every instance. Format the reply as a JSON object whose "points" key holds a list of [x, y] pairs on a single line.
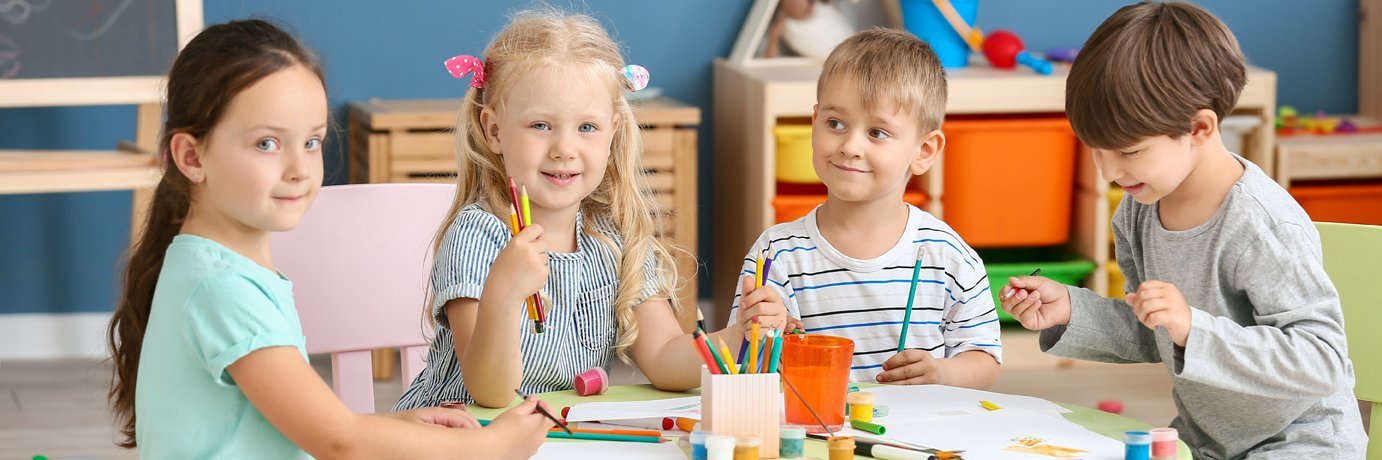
{"points": [[835, 124], [314, 144], [879, 134], [588, 128], [267, 144], [541, 126], [1130, 154]]}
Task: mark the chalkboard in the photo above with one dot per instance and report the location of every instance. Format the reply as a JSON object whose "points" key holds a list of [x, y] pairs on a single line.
{"points": [[86, 38]]}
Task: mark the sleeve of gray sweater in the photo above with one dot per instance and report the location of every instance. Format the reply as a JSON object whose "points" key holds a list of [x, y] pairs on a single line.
{"points": [[1297, 348], [1103, 329]]}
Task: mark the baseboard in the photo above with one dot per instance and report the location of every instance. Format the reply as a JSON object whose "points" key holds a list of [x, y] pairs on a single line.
{"points": [[52, 336]]}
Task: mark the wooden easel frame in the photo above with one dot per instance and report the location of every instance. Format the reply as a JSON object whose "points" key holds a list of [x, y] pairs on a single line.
{"points": [[132, 167]]}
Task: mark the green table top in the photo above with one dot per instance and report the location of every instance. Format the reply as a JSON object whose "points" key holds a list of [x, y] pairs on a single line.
{"points": [[1104, 423]]}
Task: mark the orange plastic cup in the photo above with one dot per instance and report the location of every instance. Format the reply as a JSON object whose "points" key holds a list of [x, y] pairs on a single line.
{"points": [[818, 367]]}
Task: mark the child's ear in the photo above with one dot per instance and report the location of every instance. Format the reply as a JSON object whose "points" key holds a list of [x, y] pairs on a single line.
{"points": [[185, 151], [489, 125], [929, 150], [1203, 127], [814, 109]]}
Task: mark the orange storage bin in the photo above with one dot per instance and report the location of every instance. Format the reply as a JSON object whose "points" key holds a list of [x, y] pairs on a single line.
{"points": [[788, 208], [1009, 182], [1350, 202]]}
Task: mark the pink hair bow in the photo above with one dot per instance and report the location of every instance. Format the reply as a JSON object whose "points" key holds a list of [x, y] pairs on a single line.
{"points": [[464, 64]]}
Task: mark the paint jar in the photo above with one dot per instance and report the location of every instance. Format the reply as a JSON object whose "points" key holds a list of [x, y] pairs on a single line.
{"points": [[591, 382], [698, 444], [1138, 445], [860, 406], [746, 448], [719, 447], [1164, 443], [840, 447], [791, 442]]}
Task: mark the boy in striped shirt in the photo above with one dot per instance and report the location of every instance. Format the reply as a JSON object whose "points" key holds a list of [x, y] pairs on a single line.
{"points": [[846, 268]]}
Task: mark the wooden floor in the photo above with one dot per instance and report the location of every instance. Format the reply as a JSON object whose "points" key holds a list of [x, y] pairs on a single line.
{"points": [[58, 408]]}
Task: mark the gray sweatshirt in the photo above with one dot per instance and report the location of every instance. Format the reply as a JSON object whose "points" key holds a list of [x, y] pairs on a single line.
{"points": [[1265, 371]]}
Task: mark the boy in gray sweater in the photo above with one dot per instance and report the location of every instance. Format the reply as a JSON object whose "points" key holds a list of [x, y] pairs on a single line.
{"points": [[1224, 273]]}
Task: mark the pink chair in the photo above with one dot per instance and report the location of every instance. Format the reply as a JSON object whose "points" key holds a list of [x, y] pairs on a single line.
{"points": [[359, 261]]}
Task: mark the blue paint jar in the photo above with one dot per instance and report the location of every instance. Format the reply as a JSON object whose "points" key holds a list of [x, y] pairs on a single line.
{"points": [[698, 444], [1139, 445], [791, 442]]}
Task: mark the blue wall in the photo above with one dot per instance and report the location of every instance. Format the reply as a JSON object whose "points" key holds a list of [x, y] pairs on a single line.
{"points": [[59, 252]]}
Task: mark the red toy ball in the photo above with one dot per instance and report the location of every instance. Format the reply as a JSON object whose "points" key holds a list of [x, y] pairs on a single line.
{"points": [[1001, 48]]}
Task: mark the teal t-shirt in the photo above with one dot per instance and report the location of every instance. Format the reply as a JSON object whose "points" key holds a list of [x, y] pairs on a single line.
{"points": [[211, 307]]}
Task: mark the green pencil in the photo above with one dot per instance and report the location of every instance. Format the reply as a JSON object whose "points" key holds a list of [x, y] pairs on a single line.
{"points": [[911, 297], [603, 437]]}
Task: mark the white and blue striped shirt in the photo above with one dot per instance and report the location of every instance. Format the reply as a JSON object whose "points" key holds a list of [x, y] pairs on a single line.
{"points": [[580, 329], [865, 300]]}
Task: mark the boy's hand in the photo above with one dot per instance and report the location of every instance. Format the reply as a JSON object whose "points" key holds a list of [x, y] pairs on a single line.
{"points": [[1036, 302], [523, 428], [763, 304], [1160, 304], [447, 417], [911, 367], [521, 268]]}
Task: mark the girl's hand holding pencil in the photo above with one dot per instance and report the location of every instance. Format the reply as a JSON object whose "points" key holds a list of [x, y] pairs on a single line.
{"points": [[1036, 302], [524, 427], [520, 269]]}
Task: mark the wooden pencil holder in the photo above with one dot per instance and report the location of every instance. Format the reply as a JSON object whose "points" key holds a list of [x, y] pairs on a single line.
{"points": [[743, 405]]}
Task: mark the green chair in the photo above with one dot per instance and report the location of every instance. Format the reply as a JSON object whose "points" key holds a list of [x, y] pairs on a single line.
{"points": [[1353, 259]]}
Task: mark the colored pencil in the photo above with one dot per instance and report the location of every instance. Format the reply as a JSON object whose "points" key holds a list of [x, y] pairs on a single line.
{"points": [[911, 298]]}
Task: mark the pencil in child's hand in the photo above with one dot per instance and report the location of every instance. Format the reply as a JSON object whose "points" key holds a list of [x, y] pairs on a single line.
{"points": [[544, 412], [1005, 296]]}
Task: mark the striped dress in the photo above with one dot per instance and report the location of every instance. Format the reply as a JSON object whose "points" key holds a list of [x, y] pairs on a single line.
{"points": [[865, 300], [580, 329]]}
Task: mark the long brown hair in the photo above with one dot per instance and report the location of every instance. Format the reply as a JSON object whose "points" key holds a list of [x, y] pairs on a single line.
{"points": [[218, 64]]}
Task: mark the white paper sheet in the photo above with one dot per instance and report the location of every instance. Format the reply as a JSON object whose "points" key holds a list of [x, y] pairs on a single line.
{"points": [[919, 403], [606, 450], [991, 435], [688, 407]]}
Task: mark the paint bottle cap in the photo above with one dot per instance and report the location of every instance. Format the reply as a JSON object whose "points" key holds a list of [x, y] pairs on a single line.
{"points": [[862, 397], [592, 382], [747, 441], [1164, 434], [791, 432], [1137, 437], [719, 443], [840, 443], [698, 437]]}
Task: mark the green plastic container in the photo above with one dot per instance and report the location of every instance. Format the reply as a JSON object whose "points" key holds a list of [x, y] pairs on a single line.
{"points": [[1055, 263]]}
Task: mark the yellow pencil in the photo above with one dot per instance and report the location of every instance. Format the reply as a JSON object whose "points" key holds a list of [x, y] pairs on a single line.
{"points": [[758, 272], [527, 210], [753, 347], [729, 359], [513, 221]]}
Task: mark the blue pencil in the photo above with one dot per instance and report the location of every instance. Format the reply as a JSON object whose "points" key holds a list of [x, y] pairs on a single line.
{"points": [[911, 298]]}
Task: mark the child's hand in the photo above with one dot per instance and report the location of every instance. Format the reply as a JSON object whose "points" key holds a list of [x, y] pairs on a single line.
{"points": [[911, 367], [794, 324], [1160, 304], [521, 268], [763, 304], [1037, 302], [523, 428], [447, 417]]}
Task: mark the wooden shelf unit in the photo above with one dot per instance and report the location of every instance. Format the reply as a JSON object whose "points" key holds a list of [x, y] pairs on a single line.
{"points": [[751, 99]]}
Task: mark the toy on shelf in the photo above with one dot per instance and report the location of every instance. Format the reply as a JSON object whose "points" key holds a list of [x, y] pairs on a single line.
{"points": [[1005, 50], [1289, 122], [1061, 54]]}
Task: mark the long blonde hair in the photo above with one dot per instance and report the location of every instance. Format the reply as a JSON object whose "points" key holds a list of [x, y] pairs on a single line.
{"points": [[545, 39]]}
